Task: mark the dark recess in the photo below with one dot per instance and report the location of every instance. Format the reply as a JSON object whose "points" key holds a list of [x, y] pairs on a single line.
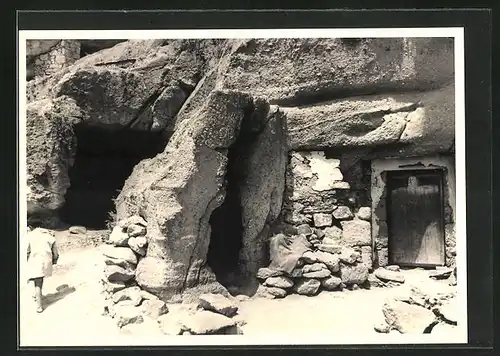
{"points": [[104, 159]]}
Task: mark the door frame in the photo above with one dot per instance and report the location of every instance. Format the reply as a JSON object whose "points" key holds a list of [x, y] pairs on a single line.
{"points": [[430, 171]]}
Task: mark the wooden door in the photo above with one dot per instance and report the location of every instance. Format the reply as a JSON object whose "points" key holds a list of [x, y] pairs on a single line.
{"points": [[416, 218]]}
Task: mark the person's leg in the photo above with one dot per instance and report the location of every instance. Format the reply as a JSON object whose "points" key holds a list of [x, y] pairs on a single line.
{"points": [[38, 293]]}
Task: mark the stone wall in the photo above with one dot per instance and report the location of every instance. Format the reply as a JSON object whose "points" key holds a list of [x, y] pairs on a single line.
{"points": [[379, 208], [46, 57], [318, 195]]}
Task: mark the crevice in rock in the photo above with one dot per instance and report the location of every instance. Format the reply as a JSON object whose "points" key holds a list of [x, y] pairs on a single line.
{"points": [[104, 159], [226, 220], [310, 94]]}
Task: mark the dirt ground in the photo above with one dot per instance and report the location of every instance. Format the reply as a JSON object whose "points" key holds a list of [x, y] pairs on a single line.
{"points": [[73, 308]]}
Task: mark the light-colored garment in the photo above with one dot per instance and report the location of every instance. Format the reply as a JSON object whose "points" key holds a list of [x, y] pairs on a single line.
{"points": [[40, 244]]}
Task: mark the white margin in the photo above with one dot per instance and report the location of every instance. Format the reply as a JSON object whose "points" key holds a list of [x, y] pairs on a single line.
{"points": [[456, 32]]}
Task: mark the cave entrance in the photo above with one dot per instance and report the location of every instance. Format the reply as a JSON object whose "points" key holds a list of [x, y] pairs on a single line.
{"points": [[104, 159]]}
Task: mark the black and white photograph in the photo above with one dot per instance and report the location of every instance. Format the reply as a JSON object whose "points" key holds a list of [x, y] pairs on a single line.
{"points": [[238, 187]]}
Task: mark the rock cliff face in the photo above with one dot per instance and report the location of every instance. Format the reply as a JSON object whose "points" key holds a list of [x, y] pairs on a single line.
{"points": [[224, 106]]}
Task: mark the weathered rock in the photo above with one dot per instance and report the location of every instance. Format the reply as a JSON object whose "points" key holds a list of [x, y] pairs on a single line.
{"points": [[343, 213], [349, 256], [306, 286], [450, 311], [37, 47], [118, 274], [218, 304], [135, 230], [353, 274], [279, 282], [322, 220], [364, 213], [112, 287], [329, 248], [441, 273], [148, 296], [367, 256], [356, 233], [324, 273], [154, 308], [394, 268], [382, 328], [443, 329], [387, 275], [331, 261], [179, 190], [133, 294], [132, 220], [296, 273], [315, 267], [277, 292], [50, 148], [320, 233], [407, 318], [127, 314], [118, 237], [138, 245], [78, 230], [170, 324], [120, 253], [206, 322], [265, 273], [304, 229], [331, 283], [261, 188], [333, 233], [309, 257], [117, 262]]}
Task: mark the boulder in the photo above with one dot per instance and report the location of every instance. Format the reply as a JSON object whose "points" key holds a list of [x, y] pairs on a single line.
{"points": [[356, 233], [315, 267], [265, 273], [322, 220], [330, 248], [135, 230], [179, 189], [349, 256], [331, 261], [394, 268], [441, 273], [304, 229], [127, 314], [279, 282], [120, 253], [218, 304], [353, 274], [407, 318], [153, 308], [309, 257], [206, 322], [333, 233], [133, 294], [118, 274], [170, 324], [79, 230], [118, 262], [305, 286], [296, 273], [132, 220], [138, 245], [148, 296], [331, 283], [277, 292], [450, 311], [324, 273], [387, 275], [118, 237], [364, 213], [112, 287], [343, 213], [383, 328]]}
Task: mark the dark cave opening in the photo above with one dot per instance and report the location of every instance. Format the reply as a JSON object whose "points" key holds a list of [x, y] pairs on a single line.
{"points": [[104, 159], [226, 221]]}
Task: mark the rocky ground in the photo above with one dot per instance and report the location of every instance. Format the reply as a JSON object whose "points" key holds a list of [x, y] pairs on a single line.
{"points": [[73, 314]]}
